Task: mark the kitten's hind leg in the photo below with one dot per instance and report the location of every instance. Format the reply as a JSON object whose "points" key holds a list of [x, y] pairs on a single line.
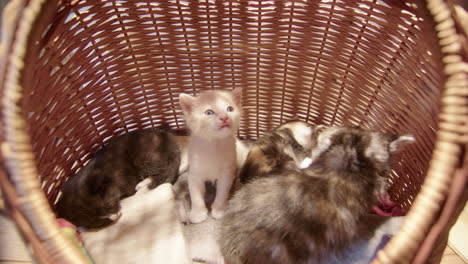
{"points": [[223, 186], [198, 212]]}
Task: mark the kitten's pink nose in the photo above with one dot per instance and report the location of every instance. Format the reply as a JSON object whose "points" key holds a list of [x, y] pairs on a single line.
{"points": [[224, 118]]}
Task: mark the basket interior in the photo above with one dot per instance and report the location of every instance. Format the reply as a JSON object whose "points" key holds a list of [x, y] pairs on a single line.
{"points": [[97, 69]]}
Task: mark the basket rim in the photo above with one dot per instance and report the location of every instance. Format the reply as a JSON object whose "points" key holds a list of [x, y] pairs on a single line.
{"points": [[49, 243], [16, 147], [448, 158]]}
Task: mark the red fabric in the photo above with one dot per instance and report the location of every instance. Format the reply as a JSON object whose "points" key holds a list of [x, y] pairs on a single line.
{"points": [[387, 208]]}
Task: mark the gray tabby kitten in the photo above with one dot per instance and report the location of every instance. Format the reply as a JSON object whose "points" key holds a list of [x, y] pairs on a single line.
{"points": [[303, 216], [285, 147], [91, 199]]}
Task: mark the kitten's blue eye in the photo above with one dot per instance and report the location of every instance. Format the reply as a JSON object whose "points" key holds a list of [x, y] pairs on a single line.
{"points": [[209, 112], [230, 109]]}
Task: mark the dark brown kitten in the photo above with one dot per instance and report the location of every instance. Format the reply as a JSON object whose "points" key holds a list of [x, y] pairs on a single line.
{"points": [[285, 147], [301, 216], [91, 199]]}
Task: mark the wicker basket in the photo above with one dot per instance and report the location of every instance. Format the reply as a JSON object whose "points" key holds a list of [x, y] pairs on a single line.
{"points": [[75, 73]]}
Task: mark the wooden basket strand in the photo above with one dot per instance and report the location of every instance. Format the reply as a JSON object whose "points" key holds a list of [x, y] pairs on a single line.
{"points": [[449, 150], [29, 206]]}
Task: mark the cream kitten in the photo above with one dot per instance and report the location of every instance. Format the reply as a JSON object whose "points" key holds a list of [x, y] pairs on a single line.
{"points": [[213, 118]]}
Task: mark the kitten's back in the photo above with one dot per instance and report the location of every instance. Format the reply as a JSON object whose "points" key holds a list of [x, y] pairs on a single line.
{"points": [[94, 193], [301, 216], [156, 154], [285, 218], [283, 148]]}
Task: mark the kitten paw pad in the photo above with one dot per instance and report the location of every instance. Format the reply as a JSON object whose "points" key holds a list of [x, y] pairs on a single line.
{"points": [[196, 216], [217, 213]]}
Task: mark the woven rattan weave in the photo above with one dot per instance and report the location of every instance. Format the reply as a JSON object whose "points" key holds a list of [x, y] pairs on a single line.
{"points": [[75, 73]]}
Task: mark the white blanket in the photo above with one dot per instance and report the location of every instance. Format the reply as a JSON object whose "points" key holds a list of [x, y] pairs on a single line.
{"points": [[202, 238], [377, 233], [149, 231]]}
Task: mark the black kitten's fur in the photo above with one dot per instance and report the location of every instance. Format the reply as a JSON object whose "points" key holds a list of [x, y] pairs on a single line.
{"points": [[90, 197], [301, 216], [275, 152]]}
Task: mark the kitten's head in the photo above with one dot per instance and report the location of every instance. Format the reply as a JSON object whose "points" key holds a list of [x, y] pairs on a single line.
{"points": [[301, 131], [88, 197], [353, 149], [102, 193], [212, 114], [361, 154]]}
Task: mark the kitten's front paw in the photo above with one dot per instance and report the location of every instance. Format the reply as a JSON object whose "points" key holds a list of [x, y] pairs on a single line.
{"points": [[143, 184], [217, 213], [305, 163], [183, 216], [115, 217], [220, 260], [198, 216]]}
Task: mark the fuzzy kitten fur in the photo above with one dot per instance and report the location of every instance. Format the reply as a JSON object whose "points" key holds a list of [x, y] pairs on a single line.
{"points": [[286, 147], [213, 118], [91, 198], [181, 186], [302, 216]]}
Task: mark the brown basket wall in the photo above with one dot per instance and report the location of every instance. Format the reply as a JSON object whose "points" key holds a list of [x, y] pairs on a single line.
{"points": [[76, 73]]}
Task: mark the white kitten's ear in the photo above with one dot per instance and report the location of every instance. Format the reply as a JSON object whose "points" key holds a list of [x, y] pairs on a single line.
{"points": [[401, 141], [237, 94], [186, 102]]}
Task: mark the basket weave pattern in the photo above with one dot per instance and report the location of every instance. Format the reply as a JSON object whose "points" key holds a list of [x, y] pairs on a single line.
{"points": [[121, 65], [82, 72]]}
